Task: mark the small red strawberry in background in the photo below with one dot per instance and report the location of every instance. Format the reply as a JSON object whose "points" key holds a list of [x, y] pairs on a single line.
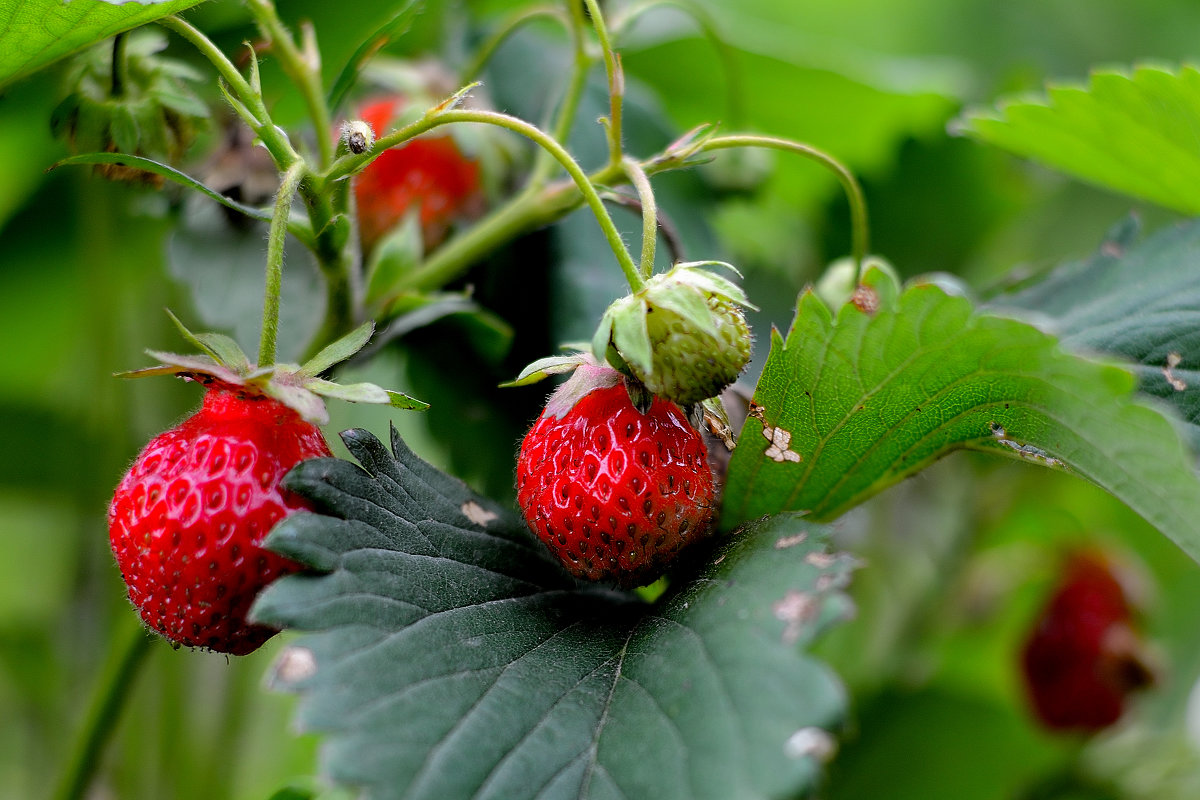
{"points": [[429, 176], [615, 493], [1085, 656], [186, 520]]}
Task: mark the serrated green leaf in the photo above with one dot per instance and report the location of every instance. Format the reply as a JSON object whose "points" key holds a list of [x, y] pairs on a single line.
{"points": [[340, 350], [448, 657], [1136, 299], [851, 405], [34, 33], [1131, 132]]}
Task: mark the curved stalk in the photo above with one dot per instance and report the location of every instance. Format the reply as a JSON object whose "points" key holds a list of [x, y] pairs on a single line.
{"points": [[637, 176], [859, 228], [273, 138], [569, 105], [348, 165], [616, 81], [274, 283], [303, 67]]}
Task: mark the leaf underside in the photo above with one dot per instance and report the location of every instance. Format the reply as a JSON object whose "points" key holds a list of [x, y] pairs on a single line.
{"points": [[451, 658], [35, 33], [858, 402], [1136, 299], [1132, 132]]}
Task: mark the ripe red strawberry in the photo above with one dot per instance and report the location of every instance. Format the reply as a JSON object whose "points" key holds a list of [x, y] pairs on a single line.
{"points": [[1084, 655], [429, 174], [613, 492], [186, 520]]}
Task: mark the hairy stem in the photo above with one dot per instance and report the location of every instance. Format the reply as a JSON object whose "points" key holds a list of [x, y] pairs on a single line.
{"points": [[616, 81], [637, 176], [275, 241], [302, 66], [109, 700], [859, 229], [352, 164], [273, 139]]}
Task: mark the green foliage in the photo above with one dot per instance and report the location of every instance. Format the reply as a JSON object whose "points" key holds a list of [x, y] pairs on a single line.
{"points": [[446, 656], [34, 33], [854, 403], [1139, 300], [1132, 132]]}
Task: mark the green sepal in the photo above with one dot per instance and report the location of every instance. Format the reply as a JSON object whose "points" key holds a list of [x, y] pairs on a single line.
{"points": [[692, 306], [401, 400], [543, 368], [221, 348], [339, 351], [630, 336]]}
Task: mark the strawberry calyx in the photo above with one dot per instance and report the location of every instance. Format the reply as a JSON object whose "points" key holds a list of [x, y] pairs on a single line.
{"points": [[683, 335], [225, 365]]}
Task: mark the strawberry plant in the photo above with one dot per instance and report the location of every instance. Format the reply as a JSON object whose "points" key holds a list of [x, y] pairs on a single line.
{"points": [[697, 483]]}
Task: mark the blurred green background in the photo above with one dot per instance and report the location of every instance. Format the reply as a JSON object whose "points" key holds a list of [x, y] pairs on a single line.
{"points": [[955, 561]]}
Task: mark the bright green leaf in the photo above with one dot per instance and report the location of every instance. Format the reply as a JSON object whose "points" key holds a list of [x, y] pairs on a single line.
{"points": [[847, 406], [1131, 132], [447, 656], [1139, 300], [34, 33]]}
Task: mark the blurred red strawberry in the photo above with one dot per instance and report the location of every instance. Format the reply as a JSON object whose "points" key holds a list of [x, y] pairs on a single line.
{"points": [[430, 175], [1085, 655]]}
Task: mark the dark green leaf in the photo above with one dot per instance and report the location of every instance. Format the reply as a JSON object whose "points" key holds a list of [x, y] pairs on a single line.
{"points": [[1132, 132], [34, 33], [448, 657], [1139, 300], [850, 405]]}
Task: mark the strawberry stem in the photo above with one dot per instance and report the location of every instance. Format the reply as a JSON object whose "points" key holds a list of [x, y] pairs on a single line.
{"points": [[275, 241], [637, 176], [569, 105], [348, 165], [302, 66], [860, 231], [504, 30], [274, 139], [616, 82], [109, 699]]}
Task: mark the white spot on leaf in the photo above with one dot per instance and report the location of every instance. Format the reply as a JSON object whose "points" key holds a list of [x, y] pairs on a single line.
{"points": [[821, 560], [1173, 360], [810, 743], [796, 609], [780, 440], [791, 541], [477, 513], [295, 664]]}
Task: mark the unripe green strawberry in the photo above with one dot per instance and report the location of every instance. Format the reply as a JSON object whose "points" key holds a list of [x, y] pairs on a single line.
{"points": [[614, 493], [186, 521], [683, 335]]}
